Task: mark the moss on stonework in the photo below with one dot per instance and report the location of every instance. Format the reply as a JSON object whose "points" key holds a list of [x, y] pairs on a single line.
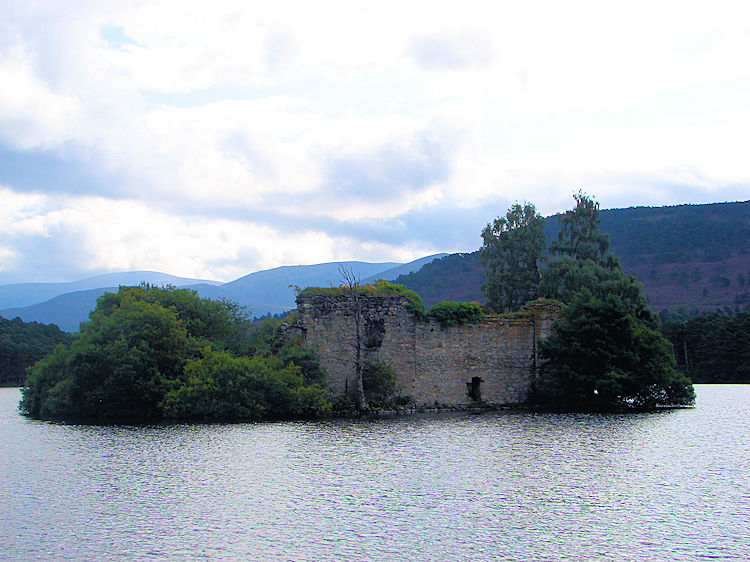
{"points": [[381, 288]]}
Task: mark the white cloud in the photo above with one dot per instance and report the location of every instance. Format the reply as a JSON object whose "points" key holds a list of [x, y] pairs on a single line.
{"points": [[192, 135], [105, 235], [452, 51], [31, 115]]}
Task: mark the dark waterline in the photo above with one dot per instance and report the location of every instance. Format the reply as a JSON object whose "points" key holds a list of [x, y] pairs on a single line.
{"points": [[672, 485]]}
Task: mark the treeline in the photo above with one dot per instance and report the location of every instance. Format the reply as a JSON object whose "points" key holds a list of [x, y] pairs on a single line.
{"points": [[679, 234], [711, 348], [150, 353], [24, 343]]}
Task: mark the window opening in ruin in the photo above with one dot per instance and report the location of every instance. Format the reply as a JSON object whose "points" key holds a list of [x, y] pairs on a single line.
{"points": [[473, 389], [374, 333]]}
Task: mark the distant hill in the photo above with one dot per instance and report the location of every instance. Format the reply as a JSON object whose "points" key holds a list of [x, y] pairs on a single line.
{"points": [[22, 344], [689, 257], [272, 290], [456, 277], [23, 294], [404, 269], [64, 311], [261, 292]]}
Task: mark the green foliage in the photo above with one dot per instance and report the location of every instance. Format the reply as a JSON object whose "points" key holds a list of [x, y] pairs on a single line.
{"points": [[380, 384], [381, 288], [205, 320], [582, 262], [47, 390], [579, 236], [450, 313], [219, 386], [712, 347], [511, 251], [603, 358], [119, 367], [606, 353], [268, 340], [24, 343], [148, 353], [564, 277]]}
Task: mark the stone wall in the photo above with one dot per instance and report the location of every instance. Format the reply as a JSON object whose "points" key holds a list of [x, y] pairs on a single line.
{"points": [[493, 359]]}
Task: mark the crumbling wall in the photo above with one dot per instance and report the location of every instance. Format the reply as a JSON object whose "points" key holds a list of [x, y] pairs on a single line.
{"points": [[492, 360]]}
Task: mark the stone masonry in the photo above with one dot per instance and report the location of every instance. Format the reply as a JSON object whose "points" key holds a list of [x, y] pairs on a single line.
{"points": [[493, 359]]}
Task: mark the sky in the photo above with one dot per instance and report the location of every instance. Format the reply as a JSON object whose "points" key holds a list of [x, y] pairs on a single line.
{"points": [[214, 139]]}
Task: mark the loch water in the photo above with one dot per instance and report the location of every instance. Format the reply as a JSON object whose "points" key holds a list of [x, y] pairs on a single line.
{"points": [[672, 485]]}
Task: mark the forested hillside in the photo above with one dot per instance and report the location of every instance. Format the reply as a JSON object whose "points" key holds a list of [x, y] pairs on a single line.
{"points": [[24, 343], [712, 347], [688, 257]]}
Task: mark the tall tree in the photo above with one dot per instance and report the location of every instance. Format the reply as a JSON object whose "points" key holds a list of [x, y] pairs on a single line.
{"points": [[352, 284], [606, 352], [579, 237], [511, 250], [581, 259]]}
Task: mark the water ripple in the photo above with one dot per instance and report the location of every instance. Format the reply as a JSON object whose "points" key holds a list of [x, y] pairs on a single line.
{"points": [[665, 486]]}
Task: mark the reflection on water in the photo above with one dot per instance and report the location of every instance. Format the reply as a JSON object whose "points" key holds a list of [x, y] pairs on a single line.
{"points": [[670, 485]]}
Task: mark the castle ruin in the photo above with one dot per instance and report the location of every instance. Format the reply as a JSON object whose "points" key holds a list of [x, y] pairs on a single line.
{"points": [[492, 360]]}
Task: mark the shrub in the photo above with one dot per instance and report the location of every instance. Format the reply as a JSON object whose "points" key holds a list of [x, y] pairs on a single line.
{"points": [[380, 384], [450, 313]]}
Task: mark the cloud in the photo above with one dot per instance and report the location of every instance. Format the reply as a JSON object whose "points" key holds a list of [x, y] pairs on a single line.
{"points": [[208, 143], [45, 238], [396, 169], [32, 115], [50, 171], [115, 36], [451, 51]]}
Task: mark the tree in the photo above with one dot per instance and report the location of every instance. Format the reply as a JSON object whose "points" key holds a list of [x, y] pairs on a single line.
{"points": [[606, 352], [511, 250], [353, 288], [601, 357], [220, 322], [579, 237], [581, 260], [119, 367], [220, 386], [148, 353], [24, 343], [712, 347]]}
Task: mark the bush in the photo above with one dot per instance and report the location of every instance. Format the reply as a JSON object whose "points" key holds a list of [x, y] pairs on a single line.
{"points": [[219, 386], [380, 384], [450, 313]]}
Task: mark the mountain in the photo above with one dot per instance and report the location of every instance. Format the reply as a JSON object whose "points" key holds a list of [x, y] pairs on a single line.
{"points": [[405, 269], [24, 294], [65, 311], [689, 257], [456, 277], [262, 292], [272, 290]]}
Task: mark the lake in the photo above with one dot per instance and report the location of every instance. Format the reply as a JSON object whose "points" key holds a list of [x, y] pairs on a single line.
{"points": [[672, 485]]}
